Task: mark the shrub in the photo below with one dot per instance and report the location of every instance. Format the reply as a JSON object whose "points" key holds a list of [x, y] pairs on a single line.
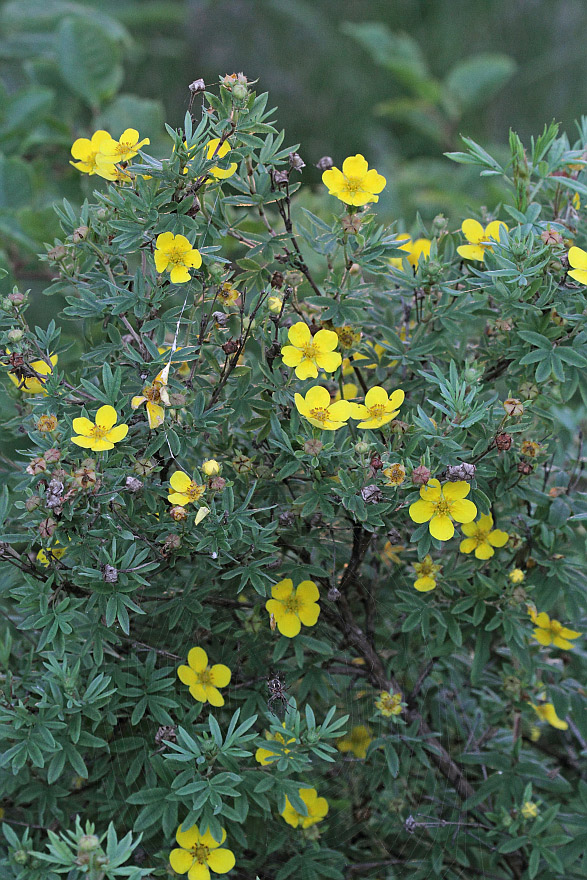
{"points": [[291, 555]]}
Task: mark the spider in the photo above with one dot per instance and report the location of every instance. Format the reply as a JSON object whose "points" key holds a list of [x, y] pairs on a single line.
{"points": [[277, 692]]}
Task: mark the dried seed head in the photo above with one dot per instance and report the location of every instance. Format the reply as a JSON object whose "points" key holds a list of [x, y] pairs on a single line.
{"points": [[325, 163], [46, 424], [513, 406], [198, 85], [47, 527], [178, 513], [503, 442], [371, 494], [456, 473], [110, 574], [133, 484], [313, 447], [296, 162], [52, 455]]}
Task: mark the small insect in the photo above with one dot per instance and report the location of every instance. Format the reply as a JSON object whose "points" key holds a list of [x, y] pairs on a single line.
{"points": [[272, 622], [277, 694]]}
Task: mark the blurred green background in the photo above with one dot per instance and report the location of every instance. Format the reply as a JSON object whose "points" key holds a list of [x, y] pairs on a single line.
{"points": [[394, 79]]}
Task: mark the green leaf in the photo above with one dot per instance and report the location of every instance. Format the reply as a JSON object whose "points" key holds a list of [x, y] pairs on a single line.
{"points": [[475, 80], [88, 59], [15, 182]]}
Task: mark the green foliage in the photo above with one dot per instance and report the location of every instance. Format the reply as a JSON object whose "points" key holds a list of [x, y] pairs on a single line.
{"points": [[466, 755]]}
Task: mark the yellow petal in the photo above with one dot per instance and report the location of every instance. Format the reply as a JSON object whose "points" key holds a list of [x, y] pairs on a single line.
{"points": [[431, 491], [498, 538], [456, 491], [199, 871], [471, 252], [292, 357], [187, 675], [179, 275], [326, 340], [83, 426], [318, 397], [307, 591], [468, 545], [198, 659], [484, 551], [355, 166], [577, 257], [339, 411], [425, 584], [180, 860], [282, 590], [187, 837], [221, 860], [441, 527], [155, 414], [579, 275], [288, 624], [213, 696], [106, 416], [299, 334], [84, 442], [376, 396], [329, 361], [473, 231], [220, 675], [492, 230], [306, 369], [463, 511], [180, 481], [116, 434], [421, 511]]}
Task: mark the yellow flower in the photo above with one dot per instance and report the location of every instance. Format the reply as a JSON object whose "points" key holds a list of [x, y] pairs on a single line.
{"points": [[395, 473], [200, 853], [127, 146], [291, 607], [307, 353], [33, 384], [530, 448], [529, 810], [317, 809], [358, 742], [416, 249], [516, 576], [349, 390], [390, 553], [216, 171], [227, 294], [87, 151], [578, 260], [174, 254], [267, 756], [185, 491], [44, 557], [203, 680], [426, 571], [441, 505], [355, 184], [546, 712], [479, 239], [482, 537], [275, 303], [101, 434], [552, 632], [320, 411], [211, 467], [46, 423], [389, 704], [378, 409], [156, 397]]}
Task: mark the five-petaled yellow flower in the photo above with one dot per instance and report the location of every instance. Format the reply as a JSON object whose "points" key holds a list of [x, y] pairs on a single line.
{"points": [[203, 680], [415, 249], [101, 434], [174, 254], [270, 756], [156, 397], [482, 537], [395, 473], [547, 712], [220, 153], [441, 505], [578, 260], [551, 632], [426, 571], [529, 810], [379, 408], [44, 557], [127, 146], [389, 704], [34, 384], [479, 239], [355, 184], [357, 742], [317, 808], [307, 353], [291, 607], [321, 411], [88, 152], [200, 853], [185, 490]]}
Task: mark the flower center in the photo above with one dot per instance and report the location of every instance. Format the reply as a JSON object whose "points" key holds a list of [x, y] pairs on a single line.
{"points": [[176, 257], [123, 148], [377, 410], [200, 853], [555, 627], [481, 536], [194, 491], [291, 604], [152, 393], [310, 351], [98, 432], [205, 677], [442, 508], [353, 184], [319, 413]]}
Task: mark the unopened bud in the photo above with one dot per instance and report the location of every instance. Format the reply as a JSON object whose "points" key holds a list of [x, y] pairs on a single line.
{"points": [[230, 347], [144, 466], [32, 502], [47, 527], [351, 223], [313, 447], [420, 475], [57, 253], [88, 843], [217, 484], [15, 335], [211, 467], [37, 466], [240, 91], [52, 455], [551, 237], [524, 467]]}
